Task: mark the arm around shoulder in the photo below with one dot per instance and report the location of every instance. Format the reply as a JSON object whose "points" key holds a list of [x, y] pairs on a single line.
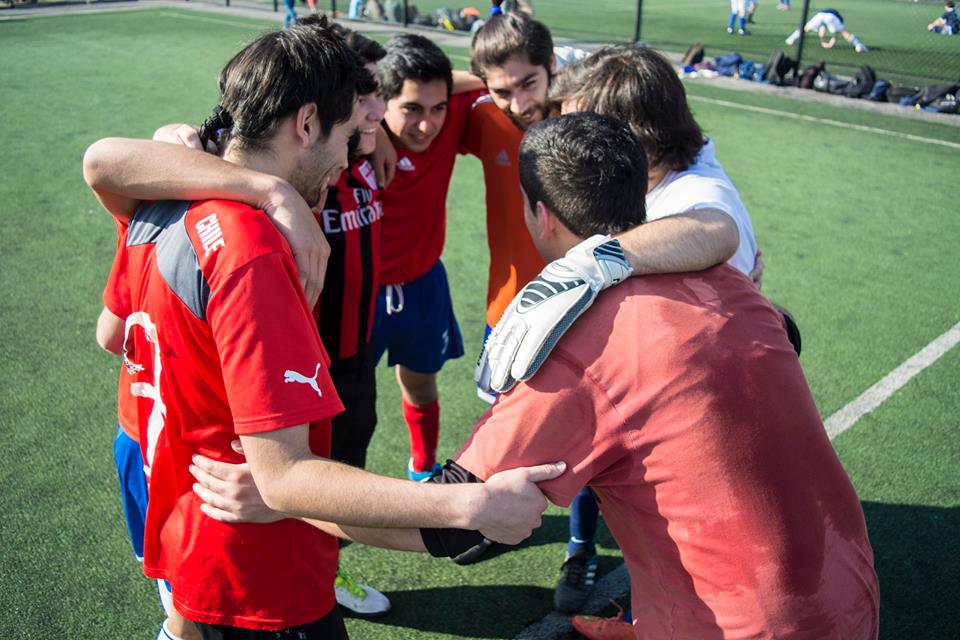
{"points": [[690, 241]]}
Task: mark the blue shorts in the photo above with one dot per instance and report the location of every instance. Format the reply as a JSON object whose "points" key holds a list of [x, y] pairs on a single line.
{"points": [[133, 487], [414, 322]]}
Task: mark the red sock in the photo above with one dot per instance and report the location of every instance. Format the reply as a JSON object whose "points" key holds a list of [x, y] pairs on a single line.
{"points": [[423, 423]]}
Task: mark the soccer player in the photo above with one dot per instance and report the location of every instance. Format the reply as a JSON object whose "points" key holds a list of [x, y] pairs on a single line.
{"points": [[126, 443], [350, 217], [414, 321], [742, 11], [702, 439], [222, 333], [824, 21], [514, 56]]}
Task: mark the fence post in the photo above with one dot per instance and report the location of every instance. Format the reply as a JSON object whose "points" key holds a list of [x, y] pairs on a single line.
{"points": [[803, 21], [276, 6], [406, 19], [333, 8], [636, 22]]}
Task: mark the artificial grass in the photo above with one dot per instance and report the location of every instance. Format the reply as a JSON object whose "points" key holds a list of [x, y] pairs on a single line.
{"points": [[856, 230]]}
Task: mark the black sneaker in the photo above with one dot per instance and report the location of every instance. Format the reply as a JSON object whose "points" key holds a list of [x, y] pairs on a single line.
{"points": [[577, 576]]}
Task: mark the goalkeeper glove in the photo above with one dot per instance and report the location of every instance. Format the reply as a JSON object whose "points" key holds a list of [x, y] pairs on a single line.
{"points": [[544, 309]]}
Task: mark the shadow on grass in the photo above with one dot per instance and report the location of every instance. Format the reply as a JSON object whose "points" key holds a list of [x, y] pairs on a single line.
{"points": [[917, 557]]}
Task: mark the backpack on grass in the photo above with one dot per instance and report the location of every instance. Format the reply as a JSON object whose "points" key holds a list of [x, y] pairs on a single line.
{"points": [[863, 81], [778, 67], [810, 74]]}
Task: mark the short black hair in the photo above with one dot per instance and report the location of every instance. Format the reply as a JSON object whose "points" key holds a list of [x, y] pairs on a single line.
{"points": [[639, 86], [369, 50], [949, 4], [589, 169], [276, 74], [506, 35], [411, 56]]}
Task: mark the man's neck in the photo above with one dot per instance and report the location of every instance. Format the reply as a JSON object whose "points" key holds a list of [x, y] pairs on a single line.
{"points": [[264, 161], [655, 176]]}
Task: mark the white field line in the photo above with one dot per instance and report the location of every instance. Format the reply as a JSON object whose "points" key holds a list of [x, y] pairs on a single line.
{"points": [[827, 121], [891, 383], [616, 584]]}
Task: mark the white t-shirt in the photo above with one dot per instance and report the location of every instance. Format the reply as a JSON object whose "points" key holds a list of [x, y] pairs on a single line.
{"points": [[704, 185], [568, 55], [825, 19]]}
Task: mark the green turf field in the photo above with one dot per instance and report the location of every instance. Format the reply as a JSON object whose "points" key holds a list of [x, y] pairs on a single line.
{"points": [[858, 229], [895, 31]]}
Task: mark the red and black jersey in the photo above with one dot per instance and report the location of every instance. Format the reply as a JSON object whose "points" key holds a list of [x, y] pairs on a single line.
{"points": [[351, 220]]}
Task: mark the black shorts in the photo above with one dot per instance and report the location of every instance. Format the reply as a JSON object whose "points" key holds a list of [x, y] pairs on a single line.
{"points": [[356, 384], [329, 627]]}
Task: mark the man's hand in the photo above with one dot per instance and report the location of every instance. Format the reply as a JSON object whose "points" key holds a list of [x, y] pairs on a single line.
{"points": [[228, 491], [512, 502], [299, 227], [185, 135], [544, 309], [384, 159]]}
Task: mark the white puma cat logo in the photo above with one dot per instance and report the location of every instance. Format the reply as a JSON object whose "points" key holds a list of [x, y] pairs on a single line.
{"points": [[293, 376]]}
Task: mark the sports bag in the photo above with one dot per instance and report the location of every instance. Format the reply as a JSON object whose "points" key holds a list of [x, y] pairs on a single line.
{"points": [[863, 81], [778, 67], [879, 91], [810, 74]]}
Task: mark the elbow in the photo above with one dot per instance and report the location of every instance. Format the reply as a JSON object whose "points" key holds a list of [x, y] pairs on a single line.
{"points": [[94, 162], [109, 343], [273, 495]]}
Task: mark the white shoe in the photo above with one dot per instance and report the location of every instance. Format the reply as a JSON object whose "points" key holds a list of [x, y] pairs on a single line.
{"points": [[360, 599], [861, 48]]}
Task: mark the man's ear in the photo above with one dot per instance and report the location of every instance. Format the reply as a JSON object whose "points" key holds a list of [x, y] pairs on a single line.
{"points": [[546, 220], [306, 124], [553, 64]]}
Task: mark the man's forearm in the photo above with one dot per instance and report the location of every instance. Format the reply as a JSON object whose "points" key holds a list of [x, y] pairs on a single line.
{"points": [[149, 170], [690, 241], [396, 539], [352, 497]]}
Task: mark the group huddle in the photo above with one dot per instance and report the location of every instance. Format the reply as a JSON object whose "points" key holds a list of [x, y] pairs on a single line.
{"points": [[267, 260]]}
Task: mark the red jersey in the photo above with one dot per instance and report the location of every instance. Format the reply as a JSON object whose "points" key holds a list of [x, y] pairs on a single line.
{"points": [[351, 219], [680, 401], [222, 331], [116, 299], [514, 260], [416, 201]]}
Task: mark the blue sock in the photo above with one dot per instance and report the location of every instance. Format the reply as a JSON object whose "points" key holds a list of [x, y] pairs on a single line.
{"points": [[743, 23], [584, 514], [733, 20], [628, 616]]}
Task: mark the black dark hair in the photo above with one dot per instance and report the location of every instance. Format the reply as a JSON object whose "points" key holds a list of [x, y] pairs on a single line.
{"points": [[589, 169], [368, 49], [411, 56], [639, 86], [278, 73], [509, 34]]}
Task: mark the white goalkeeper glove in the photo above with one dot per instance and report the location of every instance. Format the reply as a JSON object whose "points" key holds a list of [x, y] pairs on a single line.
{"points": [[544, 309]]}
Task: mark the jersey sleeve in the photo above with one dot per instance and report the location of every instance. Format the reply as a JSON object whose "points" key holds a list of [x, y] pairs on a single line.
{"points": [[116, 292], [463, 109], [559, 415], [275, 370]]}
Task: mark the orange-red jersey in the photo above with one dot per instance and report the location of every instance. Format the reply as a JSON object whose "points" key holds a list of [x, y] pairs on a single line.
{"points": [[514, 260]]}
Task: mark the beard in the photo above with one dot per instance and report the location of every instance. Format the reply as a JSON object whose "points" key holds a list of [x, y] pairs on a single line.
{"points": [[522, 122]]}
